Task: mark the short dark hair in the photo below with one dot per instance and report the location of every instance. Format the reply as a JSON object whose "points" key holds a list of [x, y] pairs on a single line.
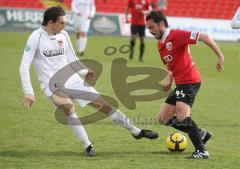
{"points": [[52, 14], [157, 17]]}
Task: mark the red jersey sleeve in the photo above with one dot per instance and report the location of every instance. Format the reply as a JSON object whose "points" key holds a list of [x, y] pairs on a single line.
{"points": [[130, 3], [186, 37], [147, 5]]}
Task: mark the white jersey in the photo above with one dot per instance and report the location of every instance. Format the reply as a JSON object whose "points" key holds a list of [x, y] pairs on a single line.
{"points": [[235, 23], [85, 7], [49, 53]]}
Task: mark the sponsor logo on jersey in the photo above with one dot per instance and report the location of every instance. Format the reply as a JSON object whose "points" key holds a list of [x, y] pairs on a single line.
{"points": [[168, 58], [52, 53], [193, 35], [169, 46], [27, 48]]}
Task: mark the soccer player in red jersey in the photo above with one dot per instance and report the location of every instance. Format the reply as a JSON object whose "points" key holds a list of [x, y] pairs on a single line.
{"points": [[138, 8], [174, 52]]}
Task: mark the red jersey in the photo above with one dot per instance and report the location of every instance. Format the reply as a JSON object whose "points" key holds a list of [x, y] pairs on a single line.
{"points": [[136, 7], [175, 53]]}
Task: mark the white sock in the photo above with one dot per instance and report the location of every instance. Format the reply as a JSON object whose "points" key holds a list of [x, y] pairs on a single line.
{"points": [[118, 117], [82, 42], [78, 129]]}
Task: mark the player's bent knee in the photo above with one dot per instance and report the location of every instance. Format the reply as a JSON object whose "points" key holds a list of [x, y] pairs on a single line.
{"points": [[83, 34], [161, 118], [181, 114], [68, 108], [106, 108], [78, 35]]}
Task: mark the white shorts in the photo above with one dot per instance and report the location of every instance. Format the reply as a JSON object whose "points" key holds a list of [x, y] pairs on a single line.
{"points": [[80, 91], [81, 24]]}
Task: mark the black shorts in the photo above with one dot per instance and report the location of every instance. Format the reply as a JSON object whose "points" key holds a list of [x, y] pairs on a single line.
{"points": [[185, 93], [138, 29]]}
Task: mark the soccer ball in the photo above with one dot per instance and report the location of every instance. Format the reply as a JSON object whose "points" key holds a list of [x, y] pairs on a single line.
{"points": [[176, 142]]}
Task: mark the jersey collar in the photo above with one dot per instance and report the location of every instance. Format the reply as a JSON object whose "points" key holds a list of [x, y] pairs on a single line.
{"points": [[44, 32], [166, 33]]}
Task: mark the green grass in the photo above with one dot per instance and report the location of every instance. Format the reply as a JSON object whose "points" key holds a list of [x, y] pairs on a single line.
{"points": [[33, 139]]}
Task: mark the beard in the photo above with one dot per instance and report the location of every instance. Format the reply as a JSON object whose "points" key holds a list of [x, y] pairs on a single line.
{"points": [[159, 35]]}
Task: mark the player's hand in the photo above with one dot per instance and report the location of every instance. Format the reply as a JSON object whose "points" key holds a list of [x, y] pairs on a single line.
{"points": [[166, 86], [219, 64], [28, 100], [90, 75], [144, 12], [79, 14], [127, 20]]}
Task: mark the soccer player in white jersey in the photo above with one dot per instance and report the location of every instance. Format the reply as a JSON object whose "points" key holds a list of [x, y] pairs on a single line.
{"points": [[235, 23], [49, 49], [84, 11]]}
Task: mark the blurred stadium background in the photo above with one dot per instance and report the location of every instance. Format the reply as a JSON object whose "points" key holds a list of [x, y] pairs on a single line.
{"points": [[33, 139], [210, 16]]}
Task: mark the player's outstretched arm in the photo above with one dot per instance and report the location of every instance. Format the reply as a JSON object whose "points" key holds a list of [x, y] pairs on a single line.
{"points": [[235, 23], [74, 7], [212, 44], [92, 10], [27, 60]]}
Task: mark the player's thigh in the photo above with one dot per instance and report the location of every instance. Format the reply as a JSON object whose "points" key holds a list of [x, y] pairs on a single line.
{"points": [[134, 30], [77, 24], [186, 93], [185, 96], [167, 111], [60, 100], [182, 110], [85, 26], [141, 31], [81, 91]]}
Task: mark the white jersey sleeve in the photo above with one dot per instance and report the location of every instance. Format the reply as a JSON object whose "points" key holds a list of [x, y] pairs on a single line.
{"points": [[235, 23], [71, 56], [92, 9], [74, 6], [28, 56]]}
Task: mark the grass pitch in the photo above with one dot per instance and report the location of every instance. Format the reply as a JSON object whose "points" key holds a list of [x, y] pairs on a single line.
{"points": [[34, 139]]}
